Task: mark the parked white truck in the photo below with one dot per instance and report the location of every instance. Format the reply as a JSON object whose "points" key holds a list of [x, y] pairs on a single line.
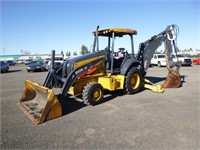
{"points": [[58, 62], [184, 60], [158, 60]]}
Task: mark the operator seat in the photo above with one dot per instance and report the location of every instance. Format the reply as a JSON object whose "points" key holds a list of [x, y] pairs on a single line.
{"points": [[118, 58]]}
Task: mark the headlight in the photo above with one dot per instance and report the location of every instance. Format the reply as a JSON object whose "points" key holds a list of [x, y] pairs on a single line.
{"points": [[28, 68]]}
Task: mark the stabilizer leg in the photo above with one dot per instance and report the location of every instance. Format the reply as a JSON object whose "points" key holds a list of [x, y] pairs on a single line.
{"points": [[154, 88]]}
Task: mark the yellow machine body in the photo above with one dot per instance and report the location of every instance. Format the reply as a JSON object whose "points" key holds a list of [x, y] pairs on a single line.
{"points": [[111, 83], [39, 103]]}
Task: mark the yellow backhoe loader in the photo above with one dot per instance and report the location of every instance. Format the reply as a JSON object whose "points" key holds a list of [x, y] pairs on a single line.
{"points": [[90, 74]]}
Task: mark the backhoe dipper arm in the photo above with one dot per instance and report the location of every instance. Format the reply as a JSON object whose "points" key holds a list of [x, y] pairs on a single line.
{"points": [[147, 48]]}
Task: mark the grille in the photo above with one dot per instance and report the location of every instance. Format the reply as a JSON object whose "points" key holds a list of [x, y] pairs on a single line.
{"points": [[187, 60]]}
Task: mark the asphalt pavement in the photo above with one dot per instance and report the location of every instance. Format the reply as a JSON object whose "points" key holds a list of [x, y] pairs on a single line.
{"points": [[143, 121]]}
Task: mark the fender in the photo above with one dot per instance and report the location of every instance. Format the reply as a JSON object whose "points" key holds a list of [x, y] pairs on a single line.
{"points": [[127, 63]]}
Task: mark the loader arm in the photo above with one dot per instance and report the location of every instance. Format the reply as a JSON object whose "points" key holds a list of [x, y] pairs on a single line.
{"points": [[71, 78], [53, 79]]}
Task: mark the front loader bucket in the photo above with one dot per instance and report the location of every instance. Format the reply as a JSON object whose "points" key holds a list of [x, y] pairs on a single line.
{"points": [[173, 80], [39, 103]]}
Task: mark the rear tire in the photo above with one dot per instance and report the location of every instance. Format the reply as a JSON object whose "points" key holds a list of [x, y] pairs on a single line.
{"points": [[42, 69], [92, 93], [133, 81]]}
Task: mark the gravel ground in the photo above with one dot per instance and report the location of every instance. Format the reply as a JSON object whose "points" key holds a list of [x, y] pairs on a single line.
{"points": [[144, 121]]}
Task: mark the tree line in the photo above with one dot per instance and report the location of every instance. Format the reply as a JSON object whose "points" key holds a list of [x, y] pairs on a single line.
{"points": [[84, 50]]}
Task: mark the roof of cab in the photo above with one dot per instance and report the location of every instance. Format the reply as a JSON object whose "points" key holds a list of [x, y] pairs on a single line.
{"points": [[118, 32]]}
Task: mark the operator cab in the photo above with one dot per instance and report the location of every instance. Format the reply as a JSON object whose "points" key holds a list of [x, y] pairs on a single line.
{"points": [[114, 58]]}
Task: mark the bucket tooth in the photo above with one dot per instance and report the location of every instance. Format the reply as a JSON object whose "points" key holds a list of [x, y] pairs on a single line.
{"points": [[39, 103], [173, 80]]}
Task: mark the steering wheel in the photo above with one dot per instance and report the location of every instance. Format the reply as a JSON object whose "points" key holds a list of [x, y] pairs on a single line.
{"points": [[108, 48], [125, 53]]}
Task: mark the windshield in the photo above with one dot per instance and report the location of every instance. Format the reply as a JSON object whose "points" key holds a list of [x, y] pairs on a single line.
{"points": [[58, 58], [119, 42], [2, 63], [161, 56], [180, 55], [37, 62]]}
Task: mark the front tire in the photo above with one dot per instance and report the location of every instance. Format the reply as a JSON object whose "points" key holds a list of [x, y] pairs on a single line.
{"points": [[133, 81], [92, 93], [7, 69]]}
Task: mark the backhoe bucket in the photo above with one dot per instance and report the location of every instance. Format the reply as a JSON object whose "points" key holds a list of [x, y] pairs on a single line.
{"points": [[173, 80], [39, 103]]}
